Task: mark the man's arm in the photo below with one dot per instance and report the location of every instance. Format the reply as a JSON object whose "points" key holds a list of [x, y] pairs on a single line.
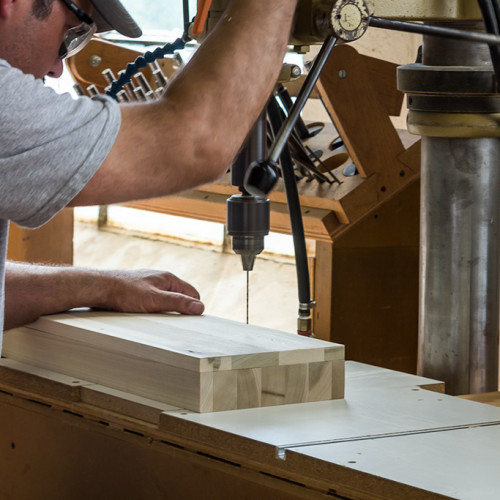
{"points": [[191, 135], [31, 291]]}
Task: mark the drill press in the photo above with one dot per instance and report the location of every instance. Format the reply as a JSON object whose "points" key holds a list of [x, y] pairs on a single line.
{"points": [[458, 122]]}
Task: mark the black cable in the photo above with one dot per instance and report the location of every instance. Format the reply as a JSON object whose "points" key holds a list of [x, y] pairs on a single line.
{"points": [[299, 238], [496, 7], [489, 16], [292, 195]]}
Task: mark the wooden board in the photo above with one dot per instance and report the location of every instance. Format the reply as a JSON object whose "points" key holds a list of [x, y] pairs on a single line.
{"points": [[488, 398], [202, 363]]}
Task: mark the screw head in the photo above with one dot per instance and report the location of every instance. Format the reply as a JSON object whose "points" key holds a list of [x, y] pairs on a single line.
{"points": [[296, 71], [95, 60]]}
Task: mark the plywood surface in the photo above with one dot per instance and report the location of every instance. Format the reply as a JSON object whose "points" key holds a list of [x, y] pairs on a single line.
{"points": [[201, 363]]}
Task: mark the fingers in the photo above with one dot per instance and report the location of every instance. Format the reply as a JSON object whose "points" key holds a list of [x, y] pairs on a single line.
{"points": [[146, 291], [185, 288], [178, 302], [196, 308], [169, 282]]}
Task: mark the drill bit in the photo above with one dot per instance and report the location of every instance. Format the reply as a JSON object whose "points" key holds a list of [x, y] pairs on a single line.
{"points": [[248, 291]]}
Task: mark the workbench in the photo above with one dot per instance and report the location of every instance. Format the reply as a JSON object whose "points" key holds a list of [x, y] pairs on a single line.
{"points": [[394, 435]]}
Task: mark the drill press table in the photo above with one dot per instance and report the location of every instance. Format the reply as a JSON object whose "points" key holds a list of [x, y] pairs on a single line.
{"points": [[390, 438]]}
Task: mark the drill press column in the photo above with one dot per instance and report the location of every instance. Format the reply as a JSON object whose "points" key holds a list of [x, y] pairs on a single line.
{"points": [[453, 105]]}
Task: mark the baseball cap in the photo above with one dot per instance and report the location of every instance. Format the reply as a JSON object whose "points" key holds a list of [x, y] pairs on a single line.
{"points": [[112, 15]]}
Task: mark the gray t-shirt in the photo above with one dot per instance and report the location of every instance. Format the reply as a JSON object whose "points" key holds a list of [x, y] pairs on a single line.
{"points": [[50, 147]]}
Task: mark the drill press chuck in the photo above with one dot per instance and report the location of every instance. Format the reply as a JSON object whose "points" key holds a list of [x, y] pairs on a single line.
{"points": [[248, 224]]}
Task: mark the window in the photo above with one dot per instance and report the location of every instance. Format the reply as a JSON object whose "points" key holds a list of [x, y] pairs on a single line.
{"points": [[160, 17]]}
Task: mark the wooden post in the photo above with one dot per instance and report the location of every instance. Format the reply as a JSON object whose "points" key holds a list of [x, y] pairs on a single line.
{"points": [[50, 244], [371, 303]]}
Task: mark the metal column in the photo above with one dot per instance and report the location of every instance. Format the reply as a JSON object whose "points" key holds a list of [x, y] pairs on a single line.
{"points": [[459, 281], [459, 298]]}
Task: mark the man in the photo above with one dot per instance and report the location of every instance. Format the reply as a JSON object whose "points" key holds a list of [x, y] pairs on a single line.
{"points": [[56, 151]]}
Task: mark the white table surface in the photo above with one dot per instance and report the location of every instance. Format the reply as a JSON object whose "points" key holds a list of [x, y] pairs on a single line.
{"points": [[387, 426]]}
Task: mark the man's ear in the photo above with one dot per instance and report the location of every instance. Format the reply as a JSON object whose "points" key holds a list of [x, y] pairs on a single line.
{"points": [[6, 8]]}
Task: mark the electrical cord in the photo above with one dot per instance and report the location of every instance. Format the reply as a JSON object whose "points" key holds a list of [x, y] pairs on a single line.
{"points": [[292, 194]]}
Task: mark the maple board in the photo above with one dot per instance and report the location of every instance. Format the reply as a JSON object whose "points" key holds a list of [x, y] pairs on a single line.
{"points": [[200, 363]]}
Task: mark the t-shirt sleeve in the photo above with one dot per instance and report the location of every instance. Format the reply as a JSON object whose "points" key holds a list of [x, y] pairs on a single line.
{"points": [[50, 146]]}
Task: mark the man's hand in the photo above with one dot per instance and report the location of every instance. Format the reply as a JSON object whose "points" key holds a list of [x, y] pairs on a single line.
{"points": [[146, 291], [32, 290]]}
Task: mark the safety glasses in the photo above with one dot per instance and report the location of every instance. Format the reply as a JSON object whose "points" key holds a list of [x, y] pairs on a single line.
{"points": [[76, 38]]}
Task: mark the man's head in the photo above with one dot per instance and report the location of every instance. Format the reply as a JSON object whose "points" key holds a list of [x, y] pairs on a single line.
{"points": [[46, 24], [108, 15]]}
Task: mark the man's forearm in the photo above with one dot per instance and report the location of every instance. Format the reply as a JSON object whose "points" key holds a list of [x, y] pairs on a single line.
{"points": [[233, 73], [191, 136], [32, 291]]}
